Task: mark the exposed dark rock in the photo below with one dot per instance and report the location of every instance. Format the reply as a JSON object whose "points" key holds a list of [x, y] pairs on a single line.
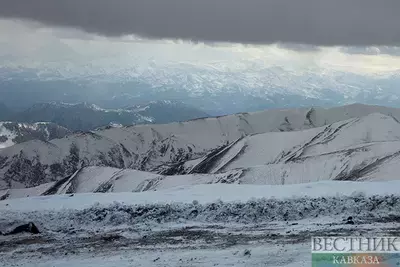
{"points": [[3, 138], [350, 220], [29, 228], [247, 253]]}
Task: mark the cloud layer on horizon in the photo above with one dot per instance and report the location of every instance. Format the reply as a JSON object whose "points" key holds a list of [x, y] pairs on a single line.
{"points": [[313, 22], [372, 50]]}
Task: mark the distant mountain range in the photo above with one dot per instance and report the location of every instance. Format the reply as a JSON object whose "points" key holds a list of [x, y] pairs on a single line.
{"points": [[216, 89], [85, 117], [344, 143]]}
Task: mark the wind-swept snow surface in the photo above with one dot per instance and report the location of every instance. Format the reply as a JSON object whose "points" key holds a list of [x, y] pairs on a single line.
{"points": [[203, 225], [260, 256], [205, 193]]}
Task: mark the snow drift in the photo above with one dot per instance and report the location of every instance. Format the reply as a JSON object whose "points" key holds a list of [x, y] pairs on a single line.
{"points": [[208, 204]]}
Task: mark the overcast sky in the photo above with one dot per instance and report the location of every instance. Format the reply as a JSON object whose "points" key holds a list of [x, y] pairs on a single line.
{"points": [[316, 22], [353, 35]]}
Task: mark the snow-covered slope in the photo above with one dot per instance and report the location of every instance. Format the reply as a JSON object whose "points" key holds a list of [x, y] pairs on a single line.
{"points": [[12, 132], [345, 146], [113, 180], [204, 194], [25, 192], [358, 149]]}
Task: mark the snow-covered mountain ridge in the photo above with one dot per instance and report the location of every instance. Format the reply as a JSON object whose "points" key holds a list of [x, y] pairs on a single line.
{"points": [[12, 132], [350, 150], [230, 143], [338, 143], [155, 147]]}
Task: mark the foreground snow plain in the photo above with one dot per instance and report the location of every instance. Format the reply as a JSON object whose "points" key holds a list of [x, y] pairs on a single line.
{"points": [[200, 225]]}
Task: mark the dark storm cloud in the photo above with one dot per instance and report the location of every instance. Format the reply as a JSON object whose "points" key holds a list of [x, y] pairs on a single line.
{"points": [[315, 22]]}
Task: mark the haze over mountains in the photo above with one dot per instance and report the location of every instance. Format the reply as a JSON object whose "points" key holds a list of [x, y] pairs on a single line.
{"points": [[217, 90], [85, 116], [355, 142]]}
